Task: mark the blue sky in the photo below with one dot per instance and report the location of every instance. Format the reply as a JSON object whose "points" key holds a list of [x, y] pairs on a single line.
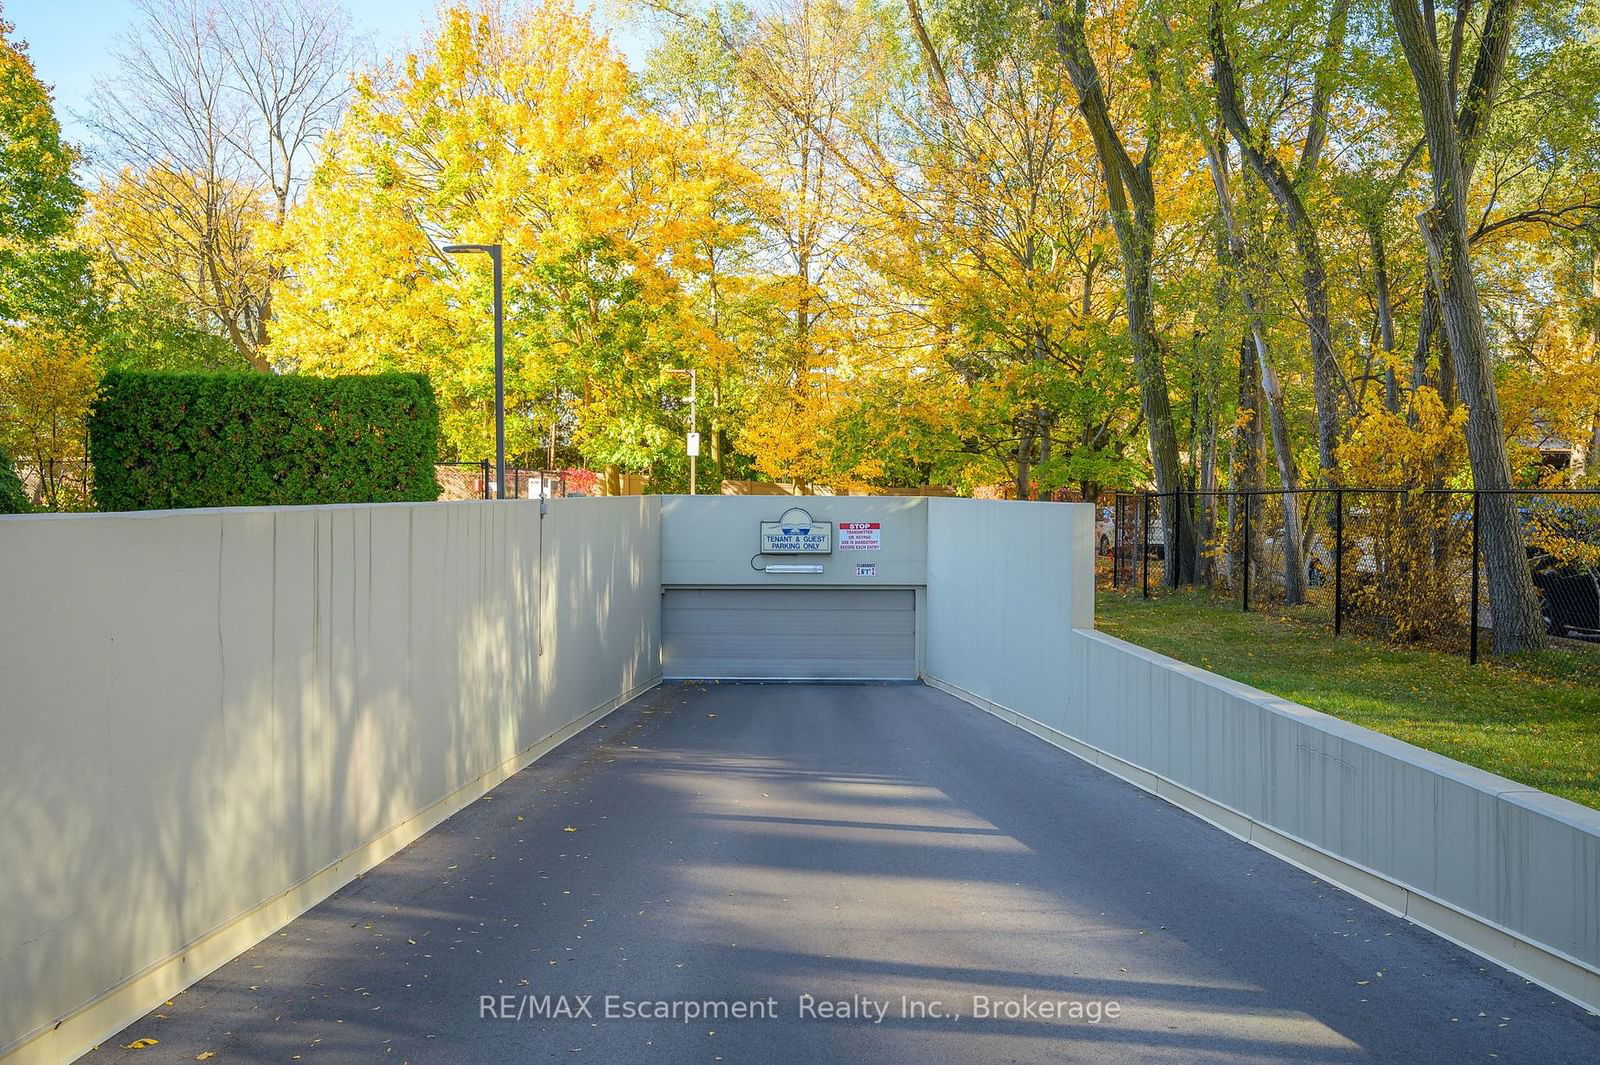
{"points": [[71, 41]]}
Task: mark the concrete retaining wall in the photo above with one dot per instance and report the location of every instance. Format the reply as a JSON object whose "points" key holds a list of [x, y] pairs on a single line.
{"points": [[1007, 583], [213, 719], [1503, 869]]}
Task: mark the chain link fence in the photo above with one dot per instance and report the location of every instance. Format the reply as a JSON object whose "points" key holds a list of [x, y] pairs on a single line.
{"points": [[475, 480], [1405, 565]]}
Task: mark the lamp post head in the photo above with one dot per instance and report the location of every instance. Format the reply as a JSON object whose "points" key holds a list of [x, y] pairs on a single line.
{"points": [[464, 249]]}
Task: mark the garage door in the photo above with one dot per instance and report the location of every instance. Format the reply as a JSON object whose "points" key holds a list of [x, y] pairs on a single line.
{"points": [[789, 633]]}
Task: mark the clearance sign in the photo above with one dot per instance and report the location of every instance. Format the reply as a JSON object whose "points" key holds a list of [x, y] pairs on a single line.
{"points": [[860, 536]]}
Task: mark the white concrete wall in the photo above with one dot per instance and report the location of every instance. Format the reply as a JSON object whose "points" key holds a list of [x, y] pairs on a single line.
{"points": [[210, 720], [1007, 583], [707, 541], [1504, 869]]}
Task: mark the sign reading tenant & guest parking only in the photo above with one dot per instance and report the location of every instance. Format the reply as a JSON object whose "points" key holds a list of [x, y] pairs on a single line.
{"points": [[796, 534]]}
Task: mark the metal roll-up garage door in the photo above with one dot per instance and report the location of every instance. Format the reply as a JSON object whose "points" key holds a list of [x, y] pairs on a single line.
{"points": [[789, 633]]}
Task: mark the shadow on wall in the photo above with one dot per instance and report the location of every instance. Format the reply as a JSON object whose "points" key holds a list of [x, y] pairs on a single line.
{"points": [[205, 708]]}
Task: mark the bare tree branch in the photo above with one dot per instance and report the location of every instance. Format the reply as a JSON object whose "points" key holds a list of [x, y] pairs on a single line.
{"points": [[207, 128]]}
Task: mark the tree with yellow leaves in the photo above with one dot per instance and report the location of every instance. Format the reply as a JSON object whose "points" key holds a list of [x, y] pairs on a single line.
{"points": [[805, 76], [1003, 248], [191, 240], [47, 381], [519, 128]]}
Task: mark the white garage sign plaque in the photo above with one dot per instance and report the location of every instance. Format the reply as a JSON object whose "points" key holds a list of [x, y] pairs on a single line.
{"points": [[796, 534]]}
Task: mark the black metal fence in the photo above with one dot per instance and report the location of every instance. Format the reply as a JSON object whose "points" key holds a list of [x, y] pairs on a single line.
{"points": [[1405, 564]]}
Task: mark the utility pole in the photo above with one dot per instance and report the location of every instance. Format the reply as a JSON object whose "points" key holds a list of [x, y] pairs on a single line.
{"points": [[555, 417], [693, 437]]}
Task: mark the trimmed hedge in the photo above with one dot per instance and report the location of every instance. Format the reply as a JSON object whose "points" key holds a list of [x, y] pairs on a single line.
{"points": [[13, 498], [160, 440]]}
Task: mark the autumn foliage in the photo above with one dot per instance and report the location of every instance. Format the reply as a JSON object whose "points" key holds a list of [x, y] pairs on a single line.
{"points": [[1036, 249]]}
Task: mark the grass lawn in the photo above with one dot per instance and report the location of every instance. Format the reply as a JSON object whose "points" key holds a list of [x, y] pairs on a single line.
{"points": [[1535, 719]]}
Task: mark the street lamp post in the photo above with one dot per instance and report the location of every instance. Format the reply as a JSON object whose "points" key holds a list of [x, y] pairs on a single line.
{"points": [[493, 252], [693, 439]]}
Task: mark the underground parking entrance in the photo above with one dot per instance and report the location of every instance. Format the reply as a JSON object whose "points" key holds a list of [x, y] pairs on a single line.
{"points": [[420, 782], [767, 589]]}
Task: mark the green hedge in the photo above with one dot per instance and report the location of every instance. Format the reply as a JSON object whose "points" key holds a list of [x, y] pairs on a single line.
{"points": [[13, 500], [160, 440]]}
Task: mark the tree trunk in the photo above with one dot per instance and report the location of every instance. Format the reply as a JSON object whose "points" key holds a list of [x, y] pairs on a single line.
{"points": [[1247, 444], [1206, 522], [1023, 457], [1040, 420], [1512, 600], [1427, 322], [1130, 195], [1177, 534], [1380, 276], [1294, 572], [1313, 273], [1243, 459], [1231, 255], [1447, 372]]}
